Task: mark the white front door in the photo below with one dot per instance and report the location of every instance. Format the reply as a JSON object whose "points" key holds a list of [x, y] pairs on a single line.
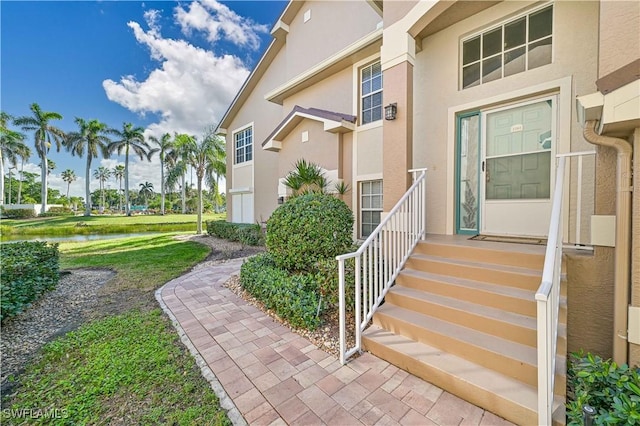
{"points": [[518, 168]]}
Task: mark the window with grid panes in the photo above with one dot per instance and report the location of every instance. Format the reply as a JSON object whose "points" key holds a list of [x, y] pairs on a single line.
{"points": [[371, 93], [243, 145], [515, 46], [370, 206]]}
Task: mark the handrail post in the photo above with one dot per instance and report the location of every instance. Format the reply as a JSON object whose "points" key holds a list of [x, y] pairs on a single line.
{"points": [[358, 310], [341, 305], [379, 259]]}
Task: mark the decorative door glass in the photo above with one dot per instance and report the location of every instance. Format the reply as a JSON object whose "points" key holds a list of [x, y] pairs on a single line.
{"points": [[468, 152]]}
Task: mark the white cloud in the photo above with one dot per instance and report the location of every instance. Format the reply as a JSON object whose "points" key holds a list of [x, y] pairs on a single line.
{"points": [[217, 20], [193, 87]]}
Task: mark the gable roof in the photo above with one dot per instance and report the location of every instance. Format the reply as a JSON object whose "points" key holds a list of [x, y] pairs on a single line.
{"points": [[334, 122], [279, 33]]}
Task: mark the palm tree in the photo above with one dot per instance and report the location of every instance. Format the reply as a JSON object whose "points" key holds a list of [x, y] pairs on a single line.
{"points": [[217, 169], [202, 156], [165, 145], [44, 134], [102, 174], [68, 176], [118, 173], [305, 178], [11, 147], [146, 191], [130, 138], [51, 166], [182, 142], [92, 137]]}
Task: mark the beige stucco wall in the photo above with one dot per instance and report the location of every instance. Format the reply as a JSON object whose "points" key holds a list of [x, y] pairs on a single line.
{"points": [[243, 175], [591, 277], [634, 349], [346, 166], [322, 147], [436, 87], [264, 116], [369, 151], [398, 133], [331, 28], [619, 34], [332, 94]]}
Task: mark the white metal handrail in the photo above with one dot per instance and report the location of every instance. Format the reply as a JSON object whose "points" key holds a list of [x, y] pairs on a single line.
{"points": [[380, 258], [548, 304], [548, 294]]}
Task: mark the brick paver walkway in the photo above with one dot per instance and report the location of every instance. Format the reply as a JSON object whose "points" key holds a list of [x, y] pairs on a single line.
{"points": [[267, 375]]}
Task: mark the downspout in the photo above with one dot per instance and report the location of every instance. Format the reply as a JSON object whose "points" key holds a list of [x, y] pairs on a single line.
{"points": [[623, 237]]}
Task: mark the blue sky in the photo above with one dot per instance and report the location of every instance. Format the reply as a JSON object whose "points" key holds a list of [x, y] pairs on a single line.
{"points": [[166, 66]]}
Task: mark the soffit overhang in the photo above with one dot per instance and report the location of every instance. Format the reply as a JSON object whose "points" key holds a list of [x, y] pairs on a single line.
{"points": [[444, 14], [333, 122]]}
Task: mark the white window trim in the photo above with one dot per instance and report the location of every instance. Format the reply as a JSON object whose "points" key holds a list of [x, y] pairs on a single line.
{"points": [[502, 23], [362, 96], [356, 92], [368, 209], [233, 145]]}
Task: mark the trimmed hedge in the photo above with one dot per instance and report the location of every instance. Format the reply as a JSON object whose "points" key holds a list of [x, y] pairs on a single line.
{"points": [[18, 213], [249, 234], [57, 211], [29, 268], [613, 390], [294, 297], [308, 229]]}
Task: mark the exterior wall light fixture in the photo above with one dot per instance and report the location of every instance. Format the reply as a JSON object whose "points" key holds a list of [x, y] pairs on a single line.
{"points": [[390, 111]]}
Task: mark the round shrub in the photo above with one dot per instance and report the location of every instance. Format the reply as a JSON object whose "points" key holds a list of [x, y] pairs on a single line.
{"points": [[307, 229]]}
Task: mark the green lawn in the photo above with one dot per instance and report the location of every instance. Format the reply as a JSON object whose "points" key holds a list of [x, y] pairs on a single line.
{"points": [[66, 225], [128, 368], [143, 263]]}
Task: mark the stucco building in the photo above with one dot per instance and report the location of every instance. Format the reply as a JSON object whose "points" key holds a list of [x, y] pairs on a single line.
{"points": [[485, 95]]}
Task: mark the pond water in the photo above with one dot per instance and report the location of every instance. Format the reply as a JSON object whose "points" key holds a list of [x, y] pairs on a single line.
{"points": [[57, 238]]}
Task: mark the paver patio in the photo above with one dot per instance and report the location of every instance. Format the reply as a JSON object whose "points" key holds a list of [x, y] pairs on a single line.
{"points": [[266, 374]]}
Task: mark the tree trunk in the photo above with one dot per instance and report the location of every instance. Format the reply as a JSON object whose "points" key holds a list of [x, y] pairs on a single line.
{"points": [[161, 187], [44, 170], [184, 194], [20, 182], [87, 187], [126, 182], [199, 230], [1, 180]]}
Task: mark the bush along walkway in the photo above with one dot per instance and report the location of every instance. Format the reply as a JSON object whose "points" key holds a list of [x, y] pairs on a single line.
{"points": [[265, 374]]}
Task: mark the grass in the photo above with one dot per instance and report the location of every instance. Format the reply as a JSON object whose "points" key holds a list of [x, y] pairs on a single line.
{"points": [[128, 368], [65, 225], [125, 369], [144, 262]]}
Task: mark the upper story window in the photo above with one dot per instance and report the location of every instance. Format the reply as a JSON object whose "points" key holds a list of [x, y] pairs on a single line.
{"points": [[243, 140], [371, 93], [515, 46]]}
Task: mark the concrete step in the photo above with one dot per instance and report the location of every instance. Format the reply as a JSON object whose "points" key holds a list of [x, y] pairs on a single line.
{"points": [[493, 391], [512, 359], [494, 321], [519, 255], [511, 276], [507, 298]]}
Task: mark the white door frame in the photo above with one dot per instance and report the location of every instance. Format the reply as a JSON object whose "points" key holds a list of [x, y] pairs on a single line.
{"points": [[538, 209]]}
